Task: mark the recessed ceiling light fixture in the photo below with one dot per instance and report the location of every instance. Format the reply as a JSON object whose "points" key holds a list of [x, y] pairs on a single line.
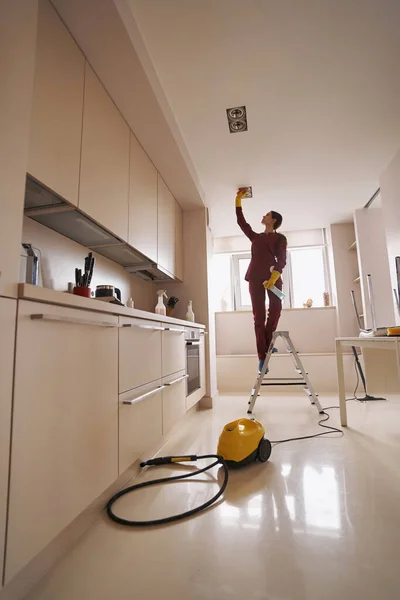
{"points": [[237, 119]]}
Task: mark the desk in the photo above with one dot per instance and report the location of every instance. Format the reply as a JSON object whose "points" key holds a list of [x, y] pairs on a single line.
{"points": [[378, 343]]}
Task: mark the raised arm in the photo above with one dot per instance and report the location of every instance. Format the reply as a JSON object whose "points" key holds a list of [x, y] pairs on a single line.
{"points": [[241, 221]]}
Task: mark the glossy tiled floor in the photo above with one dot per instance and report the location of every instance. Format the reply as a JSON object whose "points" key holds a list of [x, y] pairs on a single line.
{"points": [[320, 521]]}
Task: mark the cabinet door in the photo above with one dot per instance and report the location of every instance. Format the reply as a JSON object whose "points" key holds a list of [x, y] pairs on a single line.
{"points": [[173, 350], [65, 423], [104, 183], [178, 242], [56, 121], [174, 400], [139, 352], [142, 201], [8, 310], [166, 227], [140, 423]]}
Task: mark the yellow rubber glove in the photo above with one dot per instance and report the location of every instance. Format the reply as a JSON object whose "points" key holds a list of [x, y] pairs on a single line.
{"points": [[272, 280], [239, 197]]}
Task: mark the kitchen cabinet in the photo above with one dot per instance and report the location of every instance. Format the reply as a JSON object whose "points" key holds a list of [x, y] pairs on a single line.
{"points": [[65, 423], [57, 105], [178, 242], [166, 227], [174, 400], [173, 349], [140, 423], [104, 180], [8, 310], [139, 352], [142, 201]]}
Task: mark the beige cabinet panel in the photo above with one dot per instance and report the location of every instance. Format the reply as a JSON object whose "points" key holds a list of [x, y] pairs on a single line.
{"points": [[65, 423], [140, 423], [8, 311], [139, 352], [173, 350], [174, 400], [166, 227], [178, 242], [142, 201], [198, 394], [56, 120], [104, 182]]}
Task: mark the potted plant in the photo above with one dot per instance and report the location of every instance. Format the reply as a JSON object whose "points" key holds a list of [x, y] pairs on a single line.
{"points": [[172, 302]]}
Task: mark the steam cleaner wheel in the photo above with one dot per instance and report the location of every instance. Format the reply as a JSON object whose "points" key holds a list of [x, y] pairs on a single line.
{"points": [[264, 450]]}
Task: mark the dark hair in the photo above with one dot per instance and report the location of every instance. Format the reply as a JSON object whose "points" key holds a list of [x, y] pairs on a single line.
{"points": [[278, 219]]}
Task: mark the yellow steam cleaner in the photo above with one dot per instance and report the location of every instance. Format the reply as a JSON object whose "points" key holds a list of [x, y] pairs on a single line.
{"points": [[240, 443]]}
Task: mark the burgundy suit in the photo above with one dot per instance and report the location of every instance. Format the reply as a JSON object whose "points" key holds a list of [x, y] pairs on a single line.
{"points": [[268, 252]]}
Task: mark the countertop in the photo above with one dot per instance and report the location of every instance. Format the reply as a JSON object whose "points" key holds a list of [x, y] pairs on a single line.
{"points": [[40, 294]]}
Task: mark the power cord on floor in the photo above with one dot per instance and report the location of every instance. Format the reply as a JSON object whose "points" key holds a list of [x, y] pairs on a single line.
{"points": [[315, 435]]}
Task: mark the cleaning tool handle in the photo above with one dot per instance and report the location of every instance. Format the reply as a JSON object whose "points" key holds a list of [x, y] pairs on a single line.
{"points": [[166, 460]]}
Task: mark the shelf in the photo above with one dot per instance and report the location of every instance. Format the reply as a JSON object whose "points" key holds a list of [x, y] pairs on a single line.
{"points": [[356, 280], [353, 246]]}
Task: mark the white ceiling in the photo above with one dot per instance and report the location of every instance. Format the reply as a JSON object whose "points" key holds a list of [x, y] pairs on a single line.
{"points": [[320, 80]]}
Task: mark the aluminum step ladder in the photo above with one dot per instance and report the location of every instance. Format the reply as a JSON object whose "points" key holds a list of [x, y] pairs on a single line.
{"points": [[303, 379]]}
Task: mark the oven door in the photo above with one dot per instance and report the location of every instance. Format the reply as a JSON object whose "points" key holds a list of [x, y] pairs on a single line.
{"points": [[193, 366]]}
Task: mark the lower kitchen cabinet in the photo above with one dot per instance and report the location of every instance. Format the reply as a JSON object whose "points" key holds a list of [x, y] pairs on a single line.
{"points": [[8, 311], [173, 349], [140, 422], [65, 424], [139, 352], [174, 400]]}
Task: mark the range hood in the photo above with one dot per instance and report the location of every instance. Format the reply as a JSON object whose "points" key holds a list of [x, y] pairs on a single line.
{"points": [[47, 208]]}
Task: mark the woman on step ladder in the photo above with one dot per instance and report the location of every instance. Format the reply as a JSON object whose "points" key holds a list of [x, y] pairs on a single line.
{"points": [[268, 259]]}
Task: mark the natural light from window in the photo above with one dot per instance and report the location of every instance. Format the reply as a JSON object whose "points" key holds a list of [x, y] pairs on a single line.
{"points": [[308, 276]]}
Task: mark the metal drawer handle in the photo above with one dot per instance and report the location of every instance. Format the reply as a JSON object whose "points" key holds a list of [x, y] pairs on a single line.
{"points": [[143, 396], [174, 329], [176, 380], [148, 327], [76, 320], [193, 343], [203, 332]]}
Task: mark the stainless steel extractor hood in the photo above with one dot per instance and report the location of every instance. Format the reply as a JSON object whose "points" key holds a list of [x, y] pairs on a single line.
{"points": [[46, 207]]}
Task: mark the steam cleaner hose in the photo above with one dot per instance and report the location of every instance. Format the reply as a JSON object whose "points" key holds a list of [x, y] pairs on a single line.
{"points": [[164, 460]]}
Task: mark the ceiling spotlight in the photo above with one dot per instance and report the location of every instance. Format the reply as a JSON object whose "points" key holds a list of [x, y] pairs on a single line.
{"points": [[237, 119]]}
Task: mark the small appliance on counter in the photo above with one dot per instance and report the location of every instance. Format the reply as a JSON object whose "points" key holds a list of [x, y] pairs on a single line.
{"points": [[108, 293], [29, 269]]}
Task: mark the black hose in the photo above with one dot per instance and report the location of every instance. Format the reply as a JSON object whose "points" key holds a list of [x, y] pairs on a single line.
{"points": [[163, 460]]}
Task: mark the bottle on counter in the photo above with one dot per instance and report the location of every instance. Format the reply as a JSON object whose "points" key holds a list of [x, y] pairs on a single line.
{"points": [[190, 313], [160, 306], [130, 303]]}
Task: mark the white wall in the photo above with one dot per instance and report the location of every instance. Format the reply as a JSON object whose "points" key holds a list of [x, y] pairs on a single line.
{"points": [[390, 193], [346, 270], [60, 256], [373, 260], [18, 19], [311, 330]]}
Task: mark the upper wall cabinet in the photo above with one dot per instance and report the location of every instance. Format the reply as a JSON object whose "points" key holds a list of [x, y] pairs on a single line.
{"points": [[56, 122], [178, 242], [166, 227], [142, 201], [104, 182]]}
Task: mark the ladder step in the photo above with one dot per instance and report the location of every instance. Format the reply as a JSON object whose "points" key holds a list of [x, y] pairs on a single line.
{"points": [[289, 383]]}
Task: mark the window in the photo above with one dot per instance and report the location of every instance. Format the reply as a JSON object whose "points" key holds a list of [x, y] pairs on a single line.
{"points": [[305, 276]]}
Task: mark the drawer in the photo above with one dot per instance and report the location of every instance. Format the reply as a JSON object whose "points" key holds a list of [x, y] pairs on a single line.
{"points": [[173, 350], [140, 423], [174, 400], [139, 353]]}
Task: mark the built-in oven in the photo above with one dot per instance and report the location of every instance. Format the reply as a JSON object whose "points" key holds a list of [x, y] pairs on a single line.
{"points": [[193, 341]]}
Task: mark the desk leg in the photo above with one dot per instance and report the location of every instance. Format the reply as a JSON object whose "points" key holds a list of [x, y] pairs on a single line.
{"points": [[342, 393]]}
